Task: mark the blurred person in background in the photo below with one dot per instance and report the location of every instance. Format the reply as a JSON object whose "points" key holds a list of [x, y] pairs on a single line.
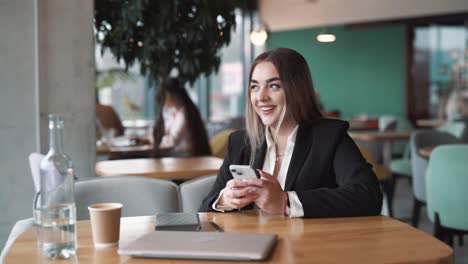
{"points": [[185, 133]]}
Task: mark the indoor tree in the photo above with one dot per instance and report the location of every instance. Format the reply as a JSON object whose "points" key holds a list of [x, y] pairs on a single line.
{"points": [[168, 38]]}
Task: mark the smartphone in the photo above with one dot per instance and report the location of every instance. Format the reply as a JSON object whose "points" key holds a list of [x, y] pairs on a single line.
{"points": [[243, 172]]}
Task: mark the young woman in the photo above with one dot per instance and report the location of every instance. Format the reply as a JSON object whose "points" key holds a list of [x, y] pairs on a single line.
{"points": [[185, 133], [309, 165]]}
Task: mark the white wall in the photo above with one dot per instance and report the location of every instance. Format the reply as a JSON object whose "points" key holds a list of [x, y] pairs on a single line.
{"points": [[295, 14], [63, 62]]}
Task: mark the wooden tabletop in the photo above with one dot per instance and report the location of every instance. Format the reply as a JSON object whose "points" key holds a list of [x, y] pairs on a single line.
{"points": [[363, 124], [376, 239], [106, 150], [380, 136], [164, 168], [430, 122]]}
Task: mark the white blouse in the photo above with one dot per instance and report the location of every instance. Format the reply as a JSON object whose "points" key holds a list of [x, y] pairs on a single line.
{"points": [[295, 209], [176, 134]]}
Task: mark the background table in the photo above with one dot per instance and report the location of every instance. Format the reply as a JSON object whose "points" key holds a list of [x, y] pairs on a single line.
{"points": [[125, 152], [430, 122], [163, 168], [385, 137], [377, 239]]}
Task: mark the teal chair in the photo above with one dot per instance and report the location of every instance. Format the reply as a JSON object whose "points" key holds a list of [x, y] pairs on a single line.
{"points": [[446, 191], [402, 166], [400, 146]]}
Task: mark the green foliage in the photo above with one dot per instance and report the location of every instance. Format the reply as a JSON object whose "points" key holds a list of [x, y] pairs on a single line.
{"points": [[166, 35]]}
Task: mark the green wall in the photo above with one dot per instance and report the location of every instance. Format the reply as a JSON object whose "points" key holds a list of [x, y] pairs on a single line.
{"points": [[363, 71]]}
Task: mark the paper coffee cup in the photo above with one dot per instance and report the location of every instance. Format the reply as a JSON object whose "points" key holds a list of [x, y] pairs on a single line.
{"points": [[105, 223]]}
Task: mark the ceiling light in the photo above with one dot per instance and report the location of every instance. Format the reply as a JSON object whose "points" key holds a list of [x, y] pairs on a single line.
{"points": [[326, 37], [259, 37]]}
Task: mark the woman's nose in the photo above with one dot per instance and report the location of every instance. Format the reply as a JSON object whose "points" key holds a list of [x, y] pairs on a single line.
{"points": [[263, 94]]}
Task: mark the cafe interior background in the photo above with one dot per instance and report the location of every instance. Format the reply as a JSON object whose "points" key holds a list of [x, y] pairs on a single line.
{"points": [[398, 58]]}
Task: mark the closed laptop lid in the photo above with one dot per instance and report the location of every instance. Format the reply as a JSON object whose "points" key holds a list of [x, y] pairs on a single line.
{"points": [[201, 245]]}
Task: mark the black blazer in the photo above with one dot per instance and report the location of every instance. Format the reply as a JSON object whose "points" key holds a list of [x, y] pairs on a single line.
{"points": [[327, 171]]}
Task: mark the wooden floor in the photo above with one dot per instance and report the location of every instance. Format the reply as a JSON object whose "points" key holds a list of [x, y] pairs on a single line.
{"points": [[402, 207]]}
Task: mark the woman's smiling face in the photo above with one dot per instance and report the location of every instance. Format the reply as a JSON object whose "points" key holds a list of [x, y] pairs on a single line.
{"points": [[267, 94]]}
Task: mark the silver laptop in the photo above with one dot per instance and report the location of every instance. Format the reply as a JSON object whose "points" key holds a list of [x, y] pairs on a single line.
{"points": [[201, 245]]}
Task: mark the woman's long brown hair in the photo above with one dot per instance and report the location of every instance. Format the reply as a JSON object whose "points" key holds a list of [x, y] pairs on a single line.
{"points": [[195, 124], [301, 101]]}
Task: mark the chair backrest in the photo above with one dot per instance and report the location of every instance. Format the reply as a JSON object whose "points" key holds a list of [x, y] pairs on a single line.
{"points": [[193, 192], [455, 128], [401, 147], [219, 142], [139, 195], [387, 123], [108, 118], [380, 171], [366, 153], [447, 182], [419, 139], [34, 165], [16, 231]]}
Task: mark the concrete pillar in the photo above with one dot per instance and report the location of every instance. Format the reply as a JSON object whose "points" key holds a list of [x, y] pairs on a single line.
{"points": [[46, 65]]}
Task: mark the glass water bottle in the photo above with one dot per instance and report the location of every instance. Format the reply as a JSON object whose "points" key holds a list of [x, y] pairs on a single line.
{"points": [[55, 215]]}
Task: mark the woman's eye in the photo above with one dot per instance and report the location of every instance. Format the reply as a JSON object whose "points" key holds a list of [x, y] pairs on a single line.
{"points": [[274, 86], [253, 87]]}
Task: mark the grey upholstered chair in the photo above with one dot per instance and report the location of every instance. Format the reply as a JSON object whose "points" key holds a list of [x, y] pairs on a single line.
{"points": [[193, 192], [139, 195], [419, 164], [16, 231], [456, 128]]}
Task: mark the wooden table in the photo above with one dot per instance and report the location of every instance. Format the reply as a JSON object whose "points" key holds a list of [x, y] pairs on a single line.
{"points": [[377, 239], [385, 137], [126, 151], [363, 124], [430, 122], [164, 168]]}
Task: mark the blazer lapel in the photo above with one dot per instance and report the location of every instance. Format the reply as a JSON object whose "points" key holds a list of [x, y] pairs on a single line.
{"points": [[300, 152], [260, 156]]}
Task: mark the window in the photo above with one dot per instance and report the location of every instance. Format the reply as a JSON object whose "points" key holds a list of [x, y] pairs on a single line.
{"points": [[440, 65], [125, 91]]}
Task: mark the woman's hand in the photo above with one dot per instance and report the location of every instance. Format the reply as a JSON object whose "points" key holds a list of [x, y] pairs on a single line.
{"points": [[270, 197], [236, 194]]}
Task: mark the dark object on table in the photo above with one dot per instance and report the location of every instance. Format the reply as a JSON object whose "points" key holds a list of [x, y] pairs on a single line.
{"points": [[177, 221]]}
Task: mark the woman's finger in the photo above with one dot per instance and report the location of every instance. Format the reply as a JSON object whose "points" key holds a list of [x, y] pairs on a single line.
{"points": [[237, 183], [241, 202], [240, 192], [266, 176]]}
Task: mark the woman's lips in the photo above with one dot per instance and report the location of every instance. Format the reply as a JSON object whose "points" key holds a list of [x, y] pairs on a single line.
{"points": [[266, 110]]}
